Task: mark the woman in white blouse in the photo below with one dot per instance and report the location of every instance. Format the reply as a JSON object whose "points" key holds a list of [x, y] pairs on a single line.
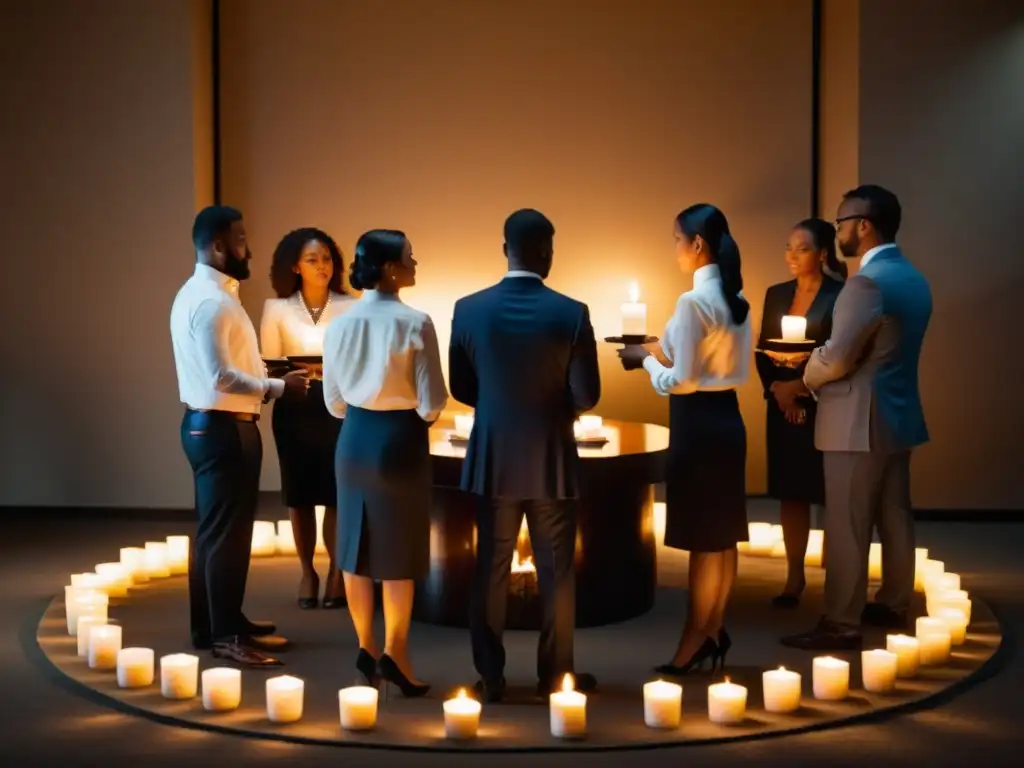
{"points": [[382, 373], [306, 276], [704, 356]]}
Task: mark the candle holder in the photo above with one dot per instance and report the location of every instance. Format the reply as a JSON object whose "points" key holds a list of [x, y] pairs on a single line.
{"points": [[631, 339], [788, 345]]}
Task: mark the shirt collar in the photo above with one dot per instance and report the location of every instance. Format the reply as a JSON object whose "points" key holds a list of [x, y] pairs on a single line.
{"points": [[706, 273], [874, 252], [207, 272], [373, 295], [521, 273]]}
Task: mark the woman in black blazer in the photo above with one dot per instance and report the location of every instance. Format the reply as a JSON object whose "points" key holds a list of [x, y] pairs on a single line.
{"points": [[795, 473]]}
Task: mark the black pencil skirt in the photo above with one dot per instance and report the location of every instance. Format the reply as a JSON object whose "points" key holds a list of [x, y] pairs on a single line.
{"points": [[306, 433]]}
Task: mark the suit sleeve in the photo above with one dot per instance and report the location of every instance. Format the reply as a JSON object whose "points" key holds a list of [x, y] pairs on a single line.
{"points": [[857, 316], [765, 367], [461, 373], [584, 374]]}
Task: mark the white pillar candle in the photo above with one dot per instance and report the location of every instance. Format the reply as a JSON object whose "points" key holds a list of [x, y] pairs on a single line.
{"points": [[85, 625], [944, 582], [815, 548], [264, 539], [591, 424], [93, 581], [285, 699], [779, 549], [134, 559], [119, 578], [794, 328], [463, 424], [927, 569], [663, 704], [179, 676], [934, 647], [956, 623], [634, 314], [85, 603], [177, 555], [155, 558], [781, 689], [908, 654], [761, 540], [926, 624], [285, 538], [957, 599], [875, 562], [878, 670], [461, 717], [222, 689], [831, 678], [135, 667], [920, 555], [358, 706], [321, 547], [727, 703], [104, 643], [568, 711]]}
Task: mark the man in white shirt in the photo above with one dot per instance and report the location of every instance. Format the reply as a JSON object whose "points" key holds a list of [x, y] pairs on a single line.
{"points": [[222, 382]]}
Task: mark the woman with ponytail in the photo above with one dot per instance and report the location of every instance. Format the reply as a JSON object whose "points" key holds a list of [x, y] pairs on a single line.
{"points": [[795, 473], [704, 356]]}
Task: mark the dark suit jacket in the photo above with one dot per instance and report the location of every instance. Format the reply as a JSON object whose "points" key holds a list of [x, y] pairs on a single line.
{"points": [[524, 356]]}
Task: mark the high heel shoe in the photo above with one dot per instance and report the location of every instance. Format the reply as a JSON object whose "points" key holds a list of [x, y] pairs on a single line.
{"points": [[309, 603], [366, 669], [788, 599], [392, 675], [724, 644], [708, 650]]}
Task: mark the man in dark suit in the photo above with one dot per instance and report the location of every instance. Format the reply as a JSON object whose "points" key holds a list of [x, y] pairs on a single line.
{"points": [[524, 356]]}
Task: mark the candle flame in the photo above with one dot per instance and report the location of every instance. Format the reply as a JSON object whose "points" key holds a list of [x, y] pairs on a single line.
{"points": [[461, 694], [727, 680], [634, 292], [567, 683], [781, 668]]}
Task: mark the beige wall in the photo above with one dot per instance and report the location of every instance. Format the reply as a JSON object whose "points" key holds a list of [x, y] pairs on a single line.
{"points": [[441, 118], [105, 158]]}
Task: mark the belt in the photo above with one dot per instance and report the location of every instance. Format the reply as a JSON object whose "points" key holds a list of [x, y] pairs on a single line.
{"points": [[236, 415]]}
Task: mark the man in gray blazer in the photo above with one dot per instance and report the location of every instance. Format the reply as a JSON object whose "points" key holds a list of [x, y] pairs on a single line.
{"points": [[865, 379]]}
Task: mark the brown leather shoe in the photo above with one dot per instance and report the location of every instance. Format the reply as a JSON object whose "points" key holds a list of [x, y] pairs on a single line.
{"points": [[243, 655], [273, 643]]}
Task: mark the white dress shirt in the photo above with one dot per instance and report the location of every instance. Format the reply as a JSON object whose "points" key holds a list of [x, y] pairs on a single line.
{"points": [[287, 328], [708, 352], [873, 252], [216, 353], [382, 355]]}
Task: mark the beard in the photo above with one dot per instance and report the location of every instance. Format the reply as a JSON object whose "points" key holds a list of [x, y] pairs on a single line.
{"points": [[236, 267], [849, 247]]}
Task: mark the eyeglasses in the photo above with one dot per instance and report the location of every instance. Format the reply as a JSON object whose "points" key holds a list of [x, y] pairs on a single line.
{"points": [[855, 217]]}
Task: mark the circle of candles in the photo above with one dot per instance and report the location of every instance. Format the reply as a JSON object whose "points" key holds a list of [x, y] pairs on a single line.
{"points": [[568, 711], [134, 559], [85, 624], [222, 689], [177, 555], [85, 603], [119, 578], [155, 558], [727, 703], [284, 699], [956, 623], [875, 561], [761, 540], [179, 676], [878, 670], [104, 643], [285, 541], [934, 647], [135, 667], [358, 706], [831, 678], [815, 548], [781, 689], [663, 704], [908, 654], [264, 539], [461, 717]]}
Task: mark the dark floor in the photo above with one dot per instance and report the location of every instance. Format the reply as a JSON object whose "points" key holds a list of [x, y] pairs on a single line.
{"points": [[44, 722]]}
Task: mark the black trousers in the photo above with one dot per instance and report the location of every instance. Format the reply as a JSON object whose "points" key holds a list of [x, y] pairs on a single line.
{"points": [[552, 526], [226, 456]]}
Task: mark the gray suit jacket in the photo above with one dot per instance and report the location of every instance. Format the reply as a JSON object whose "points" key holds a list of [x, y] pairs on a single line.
{"points": [[866, 376]]}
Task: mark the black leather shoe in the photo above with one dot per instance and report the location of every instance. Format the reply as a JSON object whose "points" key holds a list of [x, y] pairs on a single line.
{"points": [[879, 615], [490, 692], [827, 636], [584, 682]]}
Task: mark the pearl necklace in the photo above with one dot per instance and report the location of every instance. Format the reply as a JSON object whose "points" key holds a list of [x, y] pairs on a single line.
{"points": [[315, 314]]}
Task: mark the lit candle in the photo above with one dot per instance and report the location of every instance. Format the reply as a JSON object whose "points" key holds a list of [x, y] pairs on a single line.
{"points": [[461, 717], [634, 314], [934, 647], [134, 559], [779, 548], [831, 678], [920, 555], [815, 548], [119, 578], [284, 699], [875, 562], [941, 581], [134, 667], [177, 555], [85, 625], [86, 603], [155, 558], [222, 689], [781, 688], [956, 623], [568, 709], [794, 328], [264, 538], [908, 654], [761, 540], [925, 625], [463, 424], [104, 643], [179, 675], [285, 543], [93, 581], [727, 703], [663, 704], [957, 599], [878, 670], [358, 706], [927, 569]]}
